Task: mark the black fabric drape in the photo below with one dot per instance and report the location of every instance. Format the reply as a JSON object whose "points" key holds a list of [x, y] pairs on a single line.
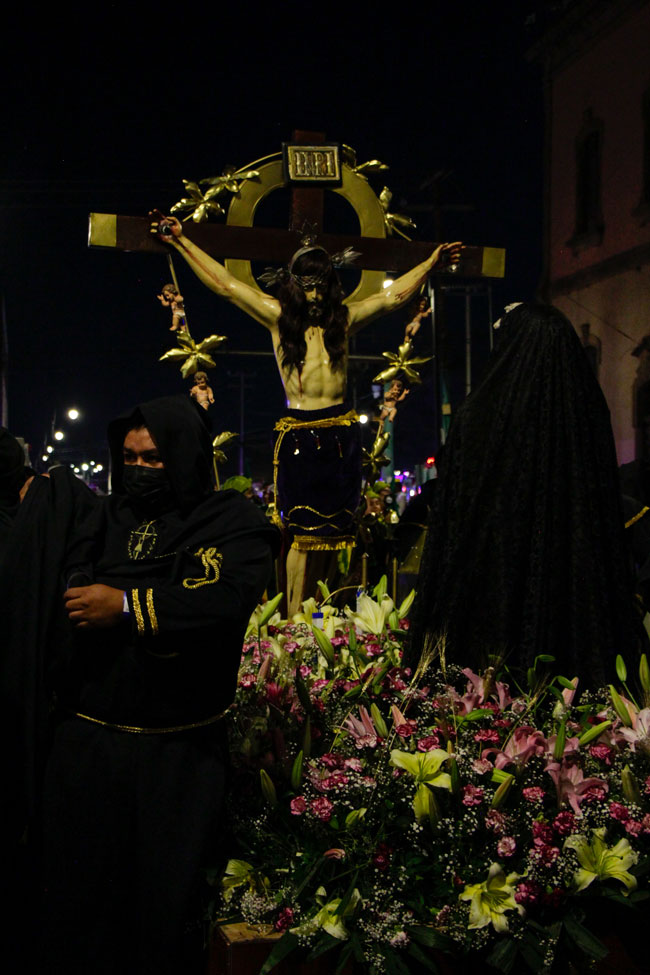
{"points": [[525, 552]]}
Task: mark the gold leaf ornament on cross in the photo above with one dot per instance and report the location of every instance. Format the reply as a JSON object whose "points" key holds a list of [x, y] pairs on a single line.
{"points": [[401, 362], [193, 355], [200, 205]]}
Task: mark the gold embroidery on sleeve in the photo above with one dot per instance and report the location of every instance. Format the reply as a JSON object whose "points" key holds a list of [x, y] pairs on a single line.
{"points": [[135, 599], [152, 613], [211, 560]]}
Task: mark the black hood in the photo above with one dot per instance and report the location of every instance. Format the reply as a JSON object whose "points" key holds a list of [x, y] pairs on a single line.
{"points": [[179, 429]]}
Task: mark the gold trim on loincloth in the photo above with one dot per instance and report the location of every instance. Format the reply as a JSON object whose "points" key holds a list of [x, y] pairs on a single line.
{"points": [[287, 423], [321, 543], [637, 517], [136, 730]]}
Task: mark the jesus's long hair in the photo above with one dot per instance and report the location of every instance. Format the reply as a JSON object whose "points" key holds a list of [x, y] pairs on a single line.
{"points": [[295, 311]]}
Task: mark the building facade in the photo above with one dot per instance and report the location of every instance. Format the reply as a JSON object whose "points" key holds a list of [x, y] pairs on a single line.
{"points": [[597, 208]]}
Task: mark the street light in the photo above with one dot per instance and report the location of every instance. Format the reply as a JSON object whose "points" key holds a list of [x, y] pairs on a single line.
{"points": [[59, 435], [73, 413]]}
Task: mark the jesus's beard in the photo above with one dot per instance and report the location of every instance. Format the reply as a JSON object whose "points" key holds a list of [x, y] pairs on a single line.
{"points": [[314, 312]]}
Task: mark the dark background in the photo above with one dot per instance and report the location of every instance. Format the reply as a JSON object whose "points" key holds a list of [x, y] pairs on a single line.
{"points": [[111, 117]]}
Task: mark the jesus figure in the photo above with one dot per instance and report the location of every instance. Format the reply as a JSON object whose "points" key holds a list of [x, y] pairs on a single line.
{"points": [[317, 457]]}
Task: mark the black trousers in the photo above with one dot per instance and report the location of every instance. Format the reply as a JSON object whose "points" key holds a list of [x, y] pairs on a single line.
{"points": [[130, 822]]}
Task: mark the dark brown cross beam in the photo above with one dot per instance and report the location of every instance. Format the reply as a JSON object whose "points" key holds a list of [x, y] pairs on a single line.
{"points": [[277, 246]]}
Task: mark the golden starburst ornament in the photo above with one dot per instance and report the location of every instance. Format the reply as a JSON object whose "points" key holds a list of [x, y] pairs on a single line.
{"points": [[394, 221], [193, 355], [401, 363], [218, 456], [375, 458], [217, 444]]}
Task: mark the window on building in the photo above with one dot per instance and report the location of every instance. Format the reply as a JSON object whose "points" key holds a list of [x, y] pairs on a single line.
{"points": [[642, 211], [589, 216]]}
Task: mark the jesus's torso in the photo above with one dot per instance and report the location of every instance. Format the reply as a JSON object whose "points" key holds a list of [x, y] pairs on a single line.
{"points": [[316, 386]]}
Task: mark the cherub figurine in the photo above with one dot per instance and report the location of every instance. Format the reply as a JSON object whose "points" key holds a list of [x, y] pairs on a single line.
{"points": [[413, 327], [200, 391], [397, 392], [170, 297]]}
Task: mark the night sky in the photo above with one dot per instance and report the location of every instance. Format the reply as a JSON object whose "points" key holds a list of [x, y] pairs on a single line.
{"points": [[112, 118]]}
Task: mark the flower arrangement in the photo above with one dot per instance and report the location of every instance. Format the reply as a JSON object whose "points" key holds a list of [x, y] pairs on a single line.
{"points": [[387, 816]]}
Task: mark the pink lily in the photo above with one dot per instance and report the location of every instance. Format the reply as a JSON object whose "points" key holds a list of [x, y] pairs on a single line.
{"points": [[477, 684], [522, 745], [639, 733], [363, 731], [571, 785]]}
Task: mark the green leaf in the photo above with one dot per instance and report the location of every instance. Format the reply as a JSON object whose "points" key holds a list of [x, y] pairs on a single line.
{"points": [[352, 639], [324, 589], [324, 644], [354, 816], [565, 682], [380, 589], [593, 732], [393, 620], [269, 610], [423, 958], [621, 669], [620, 707], [378, 721], [343, 958], [545, 658], [303, 693], [394, 964], [503, 955], [296, 771], [287, 943], [644, 673], [268, 789], [560, 742], [430, 938], [476, 714], [345, 900], [306, 738], [584, 939], [325, 944], [530, 951], [531, 677], [406, 604]]}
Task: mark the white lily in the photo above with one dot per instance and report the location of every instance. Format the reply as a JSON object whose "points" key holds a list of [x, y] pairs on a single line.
{"points": [[371, 616]]}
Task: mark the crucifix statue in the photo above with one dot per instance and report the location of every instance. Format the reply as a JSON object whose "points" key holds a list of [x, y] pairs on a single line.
{"points": [[317, 456]]}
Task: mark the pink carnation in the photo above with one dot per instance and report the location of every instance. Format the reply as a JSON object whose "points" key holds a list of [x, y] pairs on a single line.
{"points": [[533, 793], [247, 680], [428, 743], [602, 752], [564, 823], [487, 734], [619, 812], [506, 846], [472, 795], [284, 919], [298, 806], [482, 765], [322, 808], [633, 827], [495, 821]]}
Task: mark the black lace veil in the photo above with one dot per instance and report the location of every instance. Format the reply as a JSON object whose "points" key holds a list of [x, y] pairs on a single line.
{"points": [[525, 552]]}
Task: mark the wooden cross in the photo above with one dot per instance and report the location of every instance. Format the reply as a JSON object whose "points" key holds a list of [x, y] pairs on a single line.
{"points": [[277, 246]]}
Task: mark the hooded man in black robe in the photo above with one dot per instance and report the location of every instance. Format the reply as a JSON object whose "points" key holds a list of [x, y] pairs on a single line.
{"points": [[169, 574]]}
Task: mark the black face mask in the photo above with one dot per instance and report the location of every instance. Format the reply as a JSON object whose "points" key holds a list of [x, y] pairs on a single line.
{"points": [[149, 487]]}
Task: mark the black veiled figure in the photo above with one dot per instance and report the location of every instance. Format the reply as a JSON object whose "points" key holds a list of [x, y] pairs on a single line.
{"points": [[525, 552]]}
